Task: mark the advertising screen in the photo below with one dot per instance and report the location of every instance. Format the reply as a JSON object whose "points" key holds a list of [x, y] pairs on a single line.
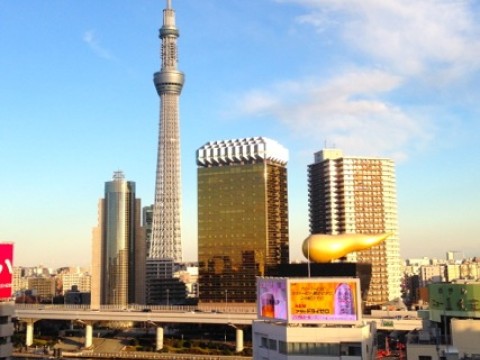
{"points": [[324, 300], [272, 298], [6, 270]]}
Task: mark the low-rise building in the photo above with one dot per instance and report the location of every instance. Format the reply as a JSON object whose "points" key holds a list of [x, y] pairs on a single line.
{"points": [[300, 318], [451, 328]]}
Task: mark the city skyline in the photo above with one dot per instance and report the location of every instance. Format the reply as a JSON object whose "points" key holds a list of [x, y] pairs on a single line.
{"points": [[76, 103]]}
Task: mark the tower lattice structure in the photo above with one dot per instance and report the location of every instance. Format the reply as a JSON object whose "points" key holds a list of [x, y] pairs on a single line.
{"points": [[166, 233]]}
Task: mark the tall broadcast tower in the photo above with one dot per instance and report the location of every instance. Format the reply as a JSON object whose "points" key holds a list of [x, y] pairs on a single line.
{"points": [[166, 235]]}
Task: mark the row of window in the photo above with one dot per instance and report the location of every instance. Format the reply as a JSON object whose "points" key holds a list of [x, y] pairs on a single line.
{"points": [[312, 348]]}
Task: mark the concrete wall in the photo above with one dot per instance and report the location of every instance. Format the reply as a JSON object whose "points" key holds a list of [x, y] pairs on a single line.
{"points": [[466, 335], [363, 334]]}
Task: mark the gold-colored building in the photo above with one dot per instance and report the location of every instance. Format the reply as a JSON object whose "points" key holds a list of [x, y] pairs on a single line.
{"points": [[357, 195], [242, 216]]}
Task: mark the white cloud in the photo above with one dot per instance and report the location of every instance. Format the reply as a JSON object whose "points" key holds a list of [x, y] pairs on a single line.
{"points": [[421, 47], [346, 110], [89, 37], [410, 37]]}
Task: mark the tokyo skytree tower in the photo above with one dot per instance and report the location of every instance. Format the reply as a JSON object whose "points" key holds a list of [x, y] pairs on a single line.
{"points": [[166, 234]]}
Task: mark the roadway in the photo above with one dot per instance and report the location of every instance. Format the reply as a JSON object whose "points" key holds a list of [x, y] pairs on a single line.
{"points": [[179, 314], [172, 316]]}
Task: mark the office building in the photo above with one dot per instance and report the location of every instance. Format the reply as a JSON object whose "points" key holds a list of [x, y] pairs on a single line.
{"points": [[81, 281], [19, 281], [118, 262], [43, 288], [358, 195], [242, 216], [166, 236]]}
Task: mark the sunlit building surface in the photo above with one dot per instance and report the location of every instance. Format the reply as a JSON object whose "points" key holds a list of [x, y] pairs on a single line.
{"points": [[358, 195], [242, 216], [118, 262], [81, 281], [42, 287]]}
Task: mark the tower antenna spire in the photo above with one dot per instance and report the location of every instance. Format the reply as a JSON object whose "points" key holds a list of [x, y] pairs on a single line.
{"points": [[166, 225]]}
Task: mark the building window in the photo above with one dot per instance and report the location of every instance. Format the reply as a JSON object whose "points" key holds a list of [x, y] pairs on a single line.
{"points": [[272, 344], [304, 348], [351, 349]]}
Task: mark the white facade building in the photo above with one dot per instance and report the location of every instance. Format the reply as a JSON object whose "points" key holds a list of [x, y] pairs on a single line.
{"points": [[81, 280], [431, 274], [281, 341]]}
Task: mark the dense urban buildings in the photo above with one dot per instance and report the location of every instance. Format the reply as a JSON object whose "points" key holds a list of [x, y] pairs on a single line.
{"points": [[358, 195], [118, 251], [166, 233], [242, 216]]}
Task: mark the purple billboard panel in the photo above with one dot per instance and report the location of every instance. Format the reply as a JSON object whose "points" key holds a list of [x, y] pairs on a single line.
{"points": [[272, 299], [6, 270]]}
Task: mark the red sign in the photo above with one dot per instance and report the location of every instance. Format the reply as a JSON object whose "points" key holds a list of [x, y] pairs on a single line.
{"points": [[6, 270]]}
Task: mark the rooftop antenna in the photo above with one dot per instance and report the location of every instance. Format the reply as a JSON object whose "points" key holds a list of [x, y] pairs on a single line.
{"points": [[169, 4]]}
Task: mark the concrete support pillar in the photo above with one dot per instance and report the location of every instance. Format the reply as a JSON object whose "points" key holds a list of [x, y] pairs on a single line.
{"points": [[88, 334], [29, 334], [159, 342], [238, 340]]}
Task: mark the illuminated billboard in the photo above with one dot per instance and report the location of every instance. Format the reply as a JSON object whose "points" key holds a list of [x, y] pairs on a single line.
{"points": [[6, 270], [324, 300], [272, 298], [309, 300]]}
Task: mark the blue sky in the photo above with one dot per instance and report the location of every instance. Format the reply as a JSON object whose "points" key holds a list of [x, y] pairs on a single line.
{"points": [[390, 78]]}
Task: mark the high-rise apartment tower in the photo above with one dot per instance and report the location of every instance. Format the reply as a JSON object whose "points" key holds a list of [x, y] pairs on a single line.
{"points": [[166, 233], [118, 251], [242, 216], [358, 195]]}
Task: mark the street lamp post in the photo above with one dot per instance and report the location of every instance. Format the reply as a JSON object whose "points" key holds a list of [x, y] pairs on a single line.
{"points": [[226, 299]]}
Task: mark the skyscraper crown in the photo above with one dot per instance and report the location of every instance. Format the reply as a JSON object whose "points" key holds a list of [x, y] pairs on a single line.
{"points": [[227, 152]]}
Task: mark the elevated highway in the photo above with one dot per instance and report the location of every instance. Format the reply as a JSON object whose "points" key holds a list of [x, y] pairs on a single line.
{"points": [[159, 316], [236, 317], [172, 316]]}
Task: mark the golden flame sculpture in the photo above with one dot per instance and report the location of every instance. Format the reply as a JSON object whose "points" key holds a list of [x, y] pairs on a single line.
{"points": [[325, 248]]}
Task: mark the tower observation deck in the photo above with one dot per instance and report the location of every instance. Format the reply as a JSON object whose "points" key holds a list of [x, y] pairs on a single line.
{"points": [[166, 234]]}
